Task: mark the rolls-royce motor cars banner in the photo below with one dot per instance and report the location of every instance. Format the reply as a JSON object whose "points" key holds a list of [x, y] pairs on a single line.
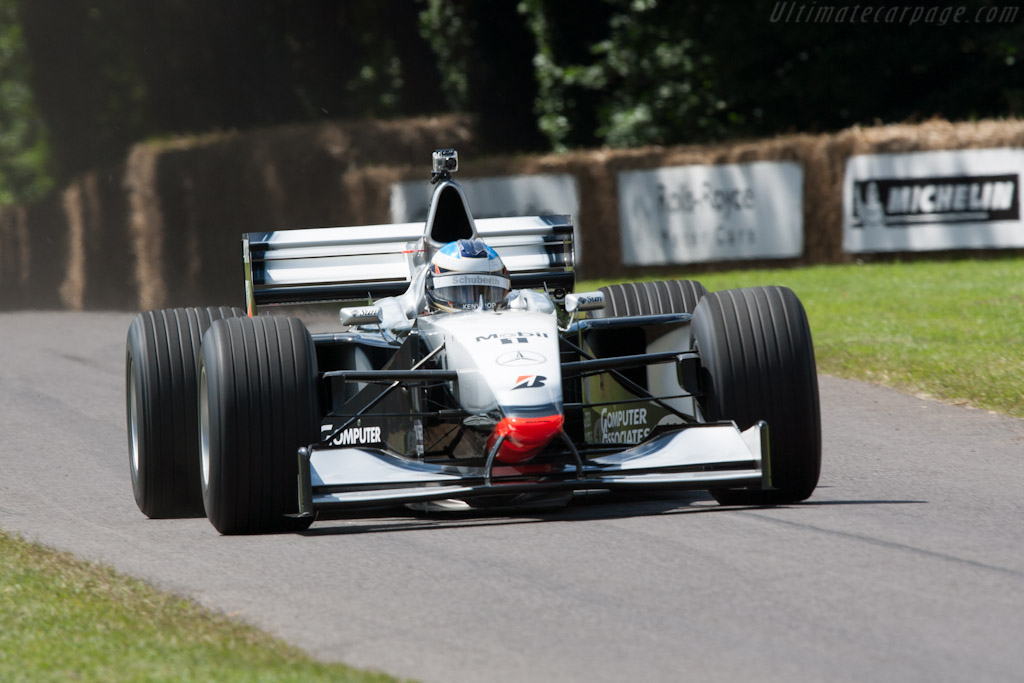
{"points": [[700, 214]]}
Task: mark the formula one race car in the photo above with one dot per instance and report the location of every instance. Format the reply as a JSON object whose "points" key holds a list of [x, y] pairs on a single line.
{"points": [[463, 373]]}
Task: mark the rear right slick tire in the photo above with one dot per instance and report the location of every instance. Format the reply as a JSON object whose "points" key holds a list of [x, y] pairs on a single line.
{"points": [[161, 357]]}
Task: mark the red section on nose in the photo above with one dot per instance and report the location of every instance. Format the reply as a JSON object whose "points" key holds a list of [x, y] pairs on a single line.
{"points": [[525, 437]]}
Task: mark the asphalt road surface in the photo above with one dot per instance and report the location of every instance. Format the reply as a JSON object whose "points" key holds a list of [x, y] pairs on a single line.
{"points": [[906, 565]]}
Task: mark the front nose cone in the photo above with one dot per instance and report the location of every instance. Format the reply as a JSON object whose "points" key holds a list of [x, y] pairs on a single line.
{"points": [[525, 437]]}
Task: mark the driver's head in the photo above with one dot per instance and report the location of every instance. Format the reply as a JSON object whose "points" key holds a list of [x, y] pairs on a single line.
{"points": [[465, 274]]}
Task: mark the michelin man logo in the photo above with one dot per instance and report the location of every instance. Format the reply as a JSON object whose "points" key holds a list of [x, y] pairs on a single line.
{"points": [[870, 209]]}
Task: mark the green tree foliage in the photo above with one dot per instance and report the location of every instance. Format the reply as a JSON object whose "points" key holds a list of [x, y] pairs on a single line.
{"points": [[107, 73], [829, 71], [633, 72], [442, 25], [623, 73], [538, 73], [24, 152], [485, 53]]}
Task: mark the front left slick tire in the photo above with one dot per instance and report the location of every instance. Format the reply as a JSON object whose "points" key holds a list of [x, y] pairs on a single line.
{"points": [[757, 363]]}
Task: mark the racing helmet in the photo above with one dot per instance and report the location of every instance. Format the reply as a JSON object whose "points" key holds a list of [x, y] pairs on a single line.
{"points": [[465, 274]]}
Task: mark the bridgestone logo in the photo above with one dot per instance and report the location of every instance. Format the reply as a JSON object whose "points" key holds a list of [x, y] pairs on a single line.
{"points": [[901, 202]]}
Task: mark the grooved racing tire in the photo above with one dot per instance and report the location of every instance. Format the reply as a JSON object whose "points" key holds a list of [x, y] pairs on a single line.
{"points": [[258, 404], [650, 298], [758, 364], [160, 392]]}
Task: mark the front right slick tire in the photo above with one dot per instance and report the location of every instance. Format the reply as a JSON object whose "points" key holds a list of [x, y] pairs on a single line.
{"points": [[257, 406]]}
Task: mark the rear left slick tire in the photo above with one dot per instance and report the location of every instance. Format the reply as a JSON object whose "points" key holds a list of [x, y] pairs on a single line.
{"points": [[160, 393], [258, 404]]}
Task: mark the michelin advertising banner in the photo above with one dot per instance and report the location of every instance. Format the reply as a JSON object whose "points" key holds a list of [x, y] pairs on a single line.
{"points": [[535, 195], [699, 214], [927, 201]]}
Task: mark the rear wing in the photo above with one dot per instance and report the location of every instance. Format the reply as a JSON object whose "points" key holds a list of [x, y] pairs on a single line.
{"points": [[354, 264]]}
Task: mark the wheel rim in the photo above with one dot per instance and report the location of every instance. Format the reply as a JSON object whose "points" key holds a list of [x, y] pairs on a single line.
{"points": [[133, 422], [204, 427]]}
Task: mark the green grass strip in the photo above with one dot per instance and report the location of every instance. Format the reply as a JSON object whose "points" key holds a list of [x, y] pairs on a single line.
{"points": [[62, 619], [952, 330]]}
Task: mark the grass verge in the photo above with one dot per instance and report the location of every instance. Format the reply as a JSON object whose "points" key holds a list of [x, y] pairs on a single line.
{"points": [[952, 330], [67, 620]]}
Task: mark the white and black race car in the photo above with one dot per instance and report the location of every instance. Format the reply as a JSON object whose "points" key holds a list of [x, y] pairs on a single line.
{"points": [[445, 387]]}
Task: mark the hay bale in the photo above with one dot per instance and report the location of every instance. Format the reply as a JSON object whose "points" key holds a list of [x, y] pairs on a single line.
{"points": [[164, 228], [15, 262], [204, 192]]}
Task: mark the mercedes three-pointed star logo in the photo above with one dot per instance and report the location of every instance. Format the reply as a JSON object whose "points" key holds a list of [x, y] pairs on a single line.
{"points": [[519, 358]]}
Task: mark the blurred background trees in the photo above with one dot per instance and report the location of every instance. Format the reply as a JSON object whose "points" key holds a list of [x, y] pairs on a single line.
{"points": [[25, 173], [81, 80]]}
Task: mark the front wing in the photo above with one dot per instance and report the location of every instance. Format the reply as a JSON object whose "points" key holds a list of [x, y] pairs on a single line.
{"points": [[699, 456]]}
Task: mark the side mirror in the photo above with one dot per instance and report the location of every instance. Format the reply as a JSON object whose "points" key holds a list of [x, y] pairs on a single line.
{"points": [[584, 301], [360, 315]]}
